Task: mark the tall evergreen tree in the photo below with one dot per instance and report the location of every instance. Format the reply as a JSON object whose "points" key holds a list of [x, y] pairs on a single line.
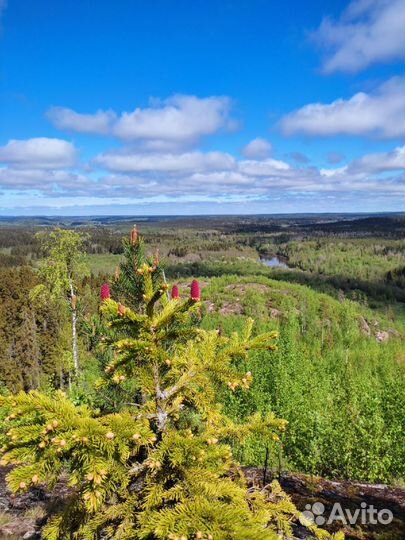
{"points": [[30, 332], [27, 350], [128, 285]]}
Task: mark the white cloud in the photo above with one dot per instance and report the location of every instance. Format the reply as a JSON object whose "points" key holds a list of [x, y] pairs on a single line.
{"points": [[179, 119], [43, 180], [257, 180], [257, 149], [381, 162], [211, 177], [220, 178], [168, 162], [330, 173], [369, 168], [368, 32], [98, 123], [267, 167], [381, 114], [40, 152]]}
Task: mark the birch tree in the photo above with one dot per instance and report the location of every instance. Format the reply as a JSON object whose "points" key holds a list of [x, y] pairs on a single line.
{"points": [[61, 270]]}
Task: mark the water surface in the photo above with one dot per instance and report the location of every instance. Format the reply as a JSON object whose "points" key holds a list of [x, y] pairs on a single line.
{"points": [[274, 262]]}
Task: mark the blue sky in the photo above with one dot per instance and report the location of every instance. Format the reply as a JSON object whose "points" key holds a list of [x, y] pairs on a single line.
{"points": [[179, 107]]}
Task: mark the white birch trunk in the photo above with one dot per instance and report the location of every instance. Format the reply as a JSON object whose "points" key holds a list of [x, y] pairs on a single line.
{"points": [[75, 347]]}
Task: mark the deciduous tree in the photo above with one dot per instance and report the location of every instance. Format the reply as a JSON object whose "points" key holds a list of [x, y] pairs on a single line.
{"points": [[63, 266]]}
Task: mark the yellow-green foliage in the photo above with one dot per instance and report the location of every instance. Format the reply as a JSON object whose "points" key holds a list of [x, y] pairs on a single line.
{"points": [[162, 468]]}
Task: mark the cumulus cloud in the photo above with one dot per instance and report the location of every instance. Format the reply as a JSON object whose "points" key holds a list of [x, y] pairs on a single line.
{"points": [[180, 119], [263, 168], [191, 186], [380, 114], [98, 123], [211, 177], [167, 162], [195, 176], [380, 162], [257, 149], [220, 178], [43, 181], [368, 32], [40, 152], [371, 172]]}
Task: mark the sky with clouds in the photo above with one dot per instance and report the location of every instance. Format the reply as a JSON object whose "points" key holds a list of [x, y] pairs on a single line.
{"points": [[203, 107]]}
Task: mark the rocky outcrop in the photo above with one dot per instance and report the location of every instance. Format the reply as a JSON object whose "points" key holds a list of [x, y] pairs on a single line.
{"points": [[372, 329]]}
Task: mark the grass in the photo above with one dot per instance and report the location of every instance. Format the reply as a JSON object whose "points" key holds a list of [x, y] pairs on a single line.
{"points": [[5, 518], [35, 513], [104, 263]]}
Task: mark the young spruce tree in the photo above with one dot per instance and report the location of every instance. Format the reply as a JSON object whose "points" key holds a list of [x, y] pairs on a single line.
{"points": [[161, 467]]}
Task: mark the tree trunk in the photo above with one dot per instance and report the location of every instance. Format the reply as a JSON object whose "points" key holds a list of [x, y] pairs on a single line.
{"points": [[75, 347]]}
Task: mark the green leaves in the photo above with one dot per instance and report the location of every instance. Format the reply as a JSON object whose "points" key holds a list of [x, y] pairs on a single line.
{"points": [[65, 260]]}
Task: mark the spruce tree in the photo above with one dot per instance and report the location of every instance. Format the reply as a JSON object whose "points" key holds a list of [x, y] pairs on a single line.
{"points": [[128, 285], [161, 467], [27, 350]]}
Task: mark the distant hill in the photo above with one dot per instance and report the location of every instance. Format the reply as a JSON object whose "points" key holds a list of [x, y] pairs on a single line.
{"points": [[330, 223]]}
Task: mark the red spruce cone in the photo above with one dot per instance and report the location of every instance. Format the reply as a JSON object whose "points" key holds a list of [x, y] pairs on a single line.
{"points": [[105, 292], [195, 291], [121, 310], [175, 293]]}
